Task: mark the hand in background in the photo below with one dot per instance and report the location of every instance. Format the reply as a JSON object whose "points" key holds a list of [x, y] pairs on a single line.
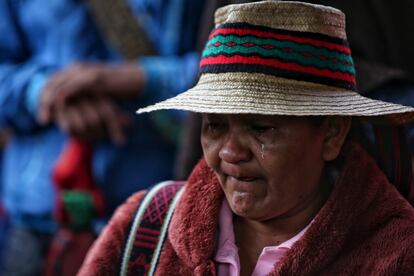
{"points": [[120, 82], [82, 100], [92, 119]]}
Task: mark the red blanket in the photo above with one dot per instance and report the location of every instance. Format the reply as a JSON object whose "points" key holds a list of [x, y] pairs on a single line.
{"points": [[365, 228]]}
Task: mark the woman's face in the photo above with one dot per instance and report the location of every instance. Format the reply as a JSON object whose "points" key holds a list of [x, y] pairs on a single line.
{"points": [[268, 166]]}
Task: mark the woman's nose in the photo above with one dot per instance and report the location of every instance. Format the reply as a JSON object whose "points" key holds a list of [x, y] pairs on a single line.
{"points": [[234, 149]]}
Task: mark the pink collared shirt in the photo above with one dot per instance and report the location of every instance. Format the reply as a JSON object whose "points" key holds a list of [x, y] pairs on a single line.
{"points": [[227, 255]]}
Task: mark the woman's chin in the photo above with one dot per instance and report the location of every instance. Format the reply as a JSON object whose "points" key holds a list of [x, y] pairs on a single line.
{"points": [[242, 203]]}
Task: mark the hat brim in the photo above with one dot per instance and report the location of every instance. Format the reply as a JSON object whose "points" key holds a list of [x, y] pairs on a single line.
{"points": [[242, 93]]}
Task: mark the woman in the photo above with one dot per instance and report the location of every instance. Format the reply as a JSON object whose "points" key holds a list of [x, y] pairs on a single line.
{"points": [[279, 191]]}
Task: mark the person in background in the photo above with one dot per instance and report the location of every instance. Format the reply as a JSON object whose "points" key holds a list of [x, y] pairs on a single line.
{"points": [[282, 188], [65, 72]]}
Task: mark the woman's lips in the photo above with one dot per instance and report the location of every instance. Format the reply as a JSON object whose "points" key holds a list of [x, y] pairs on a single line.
{"points": [[239, 179], [239, 175], [244, 179]]}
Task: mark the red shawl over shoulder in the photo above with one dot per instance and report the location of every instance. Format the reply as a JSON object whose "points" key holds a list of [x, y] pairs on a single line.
{"points": [[365, 228]]}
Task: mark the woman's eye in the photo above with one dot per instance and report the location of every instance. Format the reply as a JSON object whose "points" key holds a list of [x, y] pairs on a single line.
{"points": [[265, 134], [213, 126], [261, 129]]}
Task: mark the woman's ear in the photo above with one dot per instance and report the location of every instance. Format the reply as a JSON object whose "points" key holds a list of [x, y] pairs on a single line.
{"points": [[336, 129]]}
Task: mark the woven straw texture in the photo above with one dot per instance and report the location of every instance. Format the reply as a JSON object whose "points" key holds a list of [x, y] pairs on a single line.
{"points": [[239, 93], [280, 58], [289, 15]]}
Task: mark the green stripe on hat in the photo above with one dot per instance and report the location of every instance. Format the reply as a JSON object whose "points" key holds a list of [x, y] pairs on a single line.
{"points": [[284, 50], [299, 47]]}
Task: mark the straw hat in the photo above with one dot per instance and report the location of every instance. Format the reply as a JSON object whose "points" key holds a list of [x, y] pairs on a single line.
{"points": [[280, 58]]}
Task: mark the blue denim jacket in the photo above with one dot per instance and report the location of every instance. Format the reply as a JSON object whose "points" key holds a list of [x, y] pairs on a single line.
{"points": [[40, 37]]}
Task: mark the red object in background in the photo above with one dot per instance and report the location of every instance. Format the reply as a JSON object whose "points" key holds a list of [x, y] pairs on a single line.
{"points": [[73, 171], [67, 252]]}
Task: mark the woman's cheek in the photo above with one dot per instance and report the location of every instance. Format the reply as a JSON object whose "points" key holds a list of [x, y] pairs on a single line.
{"points": [[211, 154]]}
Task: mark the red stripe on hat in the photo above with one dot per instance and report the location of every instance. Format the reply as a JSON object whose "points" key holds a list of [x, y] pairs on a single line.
{"points": [[277, 64], [263, 34]]}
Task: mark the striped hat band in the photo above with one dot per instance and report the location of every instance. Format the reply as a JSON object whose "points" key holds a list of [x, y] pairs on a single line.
{"points": [[303, 56]]}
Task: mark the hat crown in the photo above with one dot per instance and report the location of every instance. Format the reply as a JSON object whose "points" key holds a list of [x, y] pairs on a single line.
{"points": [[286, 15], [290, 40]]}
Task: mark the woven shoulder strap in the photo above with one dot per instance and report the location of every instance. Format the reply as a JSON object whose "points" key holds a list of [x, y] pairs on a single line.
{"points": [[117, 21], [148, 230]]}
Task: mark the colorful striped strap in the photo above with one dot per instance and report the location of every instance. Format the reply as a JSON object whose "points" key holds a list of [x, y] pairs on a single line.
{"points": [[149, 228]]}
